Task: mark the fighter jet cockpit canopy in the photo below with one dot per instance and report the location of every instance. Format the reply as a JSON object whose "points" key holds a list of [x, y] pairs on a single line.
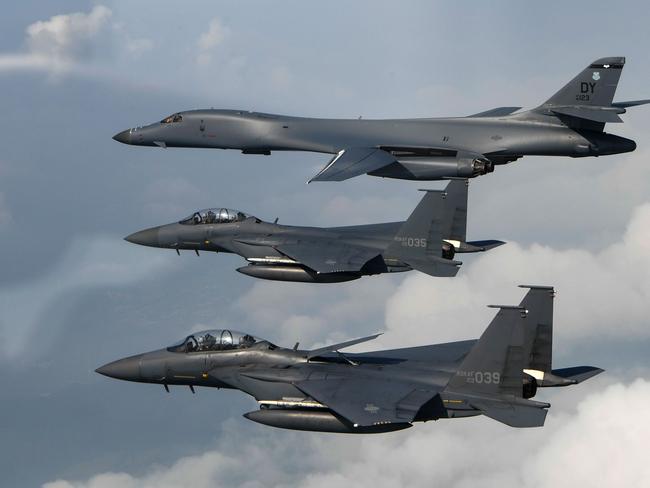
{"points": [[215, 216], [219, 340], [172, 119]]}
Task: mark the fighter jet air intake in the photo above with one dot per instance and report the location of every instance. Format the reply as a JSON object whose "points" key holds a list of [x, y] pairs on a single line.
{"points": [[328, 390], [570, 123], [427, 241]]}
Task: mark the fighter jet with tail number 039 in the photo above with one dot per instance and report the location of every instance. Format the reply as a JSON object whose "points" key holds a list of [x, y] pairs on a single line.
{"points": [[570, 123], [381, 391], [427, 241]]}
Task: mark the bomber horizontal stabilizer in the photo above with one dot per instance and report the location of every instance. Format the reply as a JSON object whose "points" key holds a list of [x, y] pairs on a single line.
{"points": [[632, 103], [591, 113], [495, 112], [354, 161]]}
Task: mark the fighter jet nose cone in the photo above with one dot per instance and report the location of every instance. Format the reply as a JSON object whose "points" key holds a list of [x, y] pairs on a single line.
{"points": [[122, 369], [124, 137], [147, 237]]}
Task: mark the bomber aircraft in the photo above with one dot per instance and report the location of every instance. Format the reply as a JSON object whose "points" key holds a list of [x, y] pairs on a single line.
{"points": [[328, 390], [570, 123], [427, 241]]}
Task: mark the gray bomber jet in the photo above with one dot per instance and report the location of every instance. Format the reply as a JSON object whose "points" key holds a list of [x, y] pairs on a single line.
{"points": [[330, 391], [427, 241], [570, 123]]}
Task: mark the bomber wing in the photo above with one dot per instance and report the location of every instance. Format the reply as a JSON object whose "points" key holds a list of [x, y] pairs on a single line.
{"points": [[496, 112], [367, 401], [354, 161], [328, 256]]}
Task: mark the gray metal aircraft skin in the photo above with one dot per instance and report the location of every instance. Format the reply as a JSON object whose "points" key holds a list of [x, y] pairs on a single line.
{"points": [[331, 391], [427, 241], [570, 123]]}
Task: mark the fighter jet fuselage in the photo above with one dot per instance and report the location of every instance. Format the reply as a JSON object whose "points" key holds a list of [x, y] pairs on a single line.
{"points": [[257, 241], [568, 124], [327, 390], [427, 241]]}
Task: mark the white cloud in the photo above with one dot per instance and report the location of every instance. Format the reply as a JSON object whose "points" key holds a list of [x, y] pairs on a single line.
{"points": [[209, 40], [61, 42], [89, 262], [602, 294], [68, 37], [588, 440]]}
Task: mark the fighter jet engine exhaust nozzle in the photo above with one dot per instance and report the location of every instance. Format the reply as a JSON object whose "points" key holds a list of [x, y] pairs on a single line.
{"points": [[448, 250], [529, 386]]}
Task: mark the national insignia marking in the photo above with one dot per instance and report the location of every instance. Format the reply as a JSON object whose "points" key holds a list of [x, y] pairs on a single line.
{"points": [[371, 407]]}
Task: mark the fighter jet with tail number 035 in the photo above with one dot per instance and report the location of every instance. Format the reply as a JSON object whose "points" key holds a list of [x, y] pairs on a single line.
{"points": [[381, 391], [427, 241], [570, 123]]}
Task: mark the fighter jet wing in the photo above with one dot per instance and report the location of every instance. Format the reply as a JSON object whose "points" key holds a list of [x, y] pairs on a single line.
{"points": [[366, 401], [328, 256], [354, 161]]}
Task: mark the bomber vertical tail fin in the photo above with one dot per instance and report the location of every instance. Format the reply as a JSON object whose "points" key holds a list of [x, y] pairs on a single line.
{"points": [[593, 86], [585, 102]]}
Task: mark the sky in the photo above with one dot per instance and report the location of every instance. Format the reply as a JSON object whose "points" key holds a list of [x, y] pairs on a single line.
{"points": [[74, 295]]}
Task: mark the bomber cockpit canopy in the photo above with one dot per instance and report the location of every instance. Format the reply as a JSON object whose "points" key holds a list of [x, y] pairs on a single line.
{"points": [[215, 216], [217, 340], [172, 119]]}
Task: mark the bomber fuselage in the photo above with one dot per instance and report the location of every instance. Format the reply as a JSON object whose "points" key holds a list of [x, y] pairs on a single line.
{"points": [[509, 136]]}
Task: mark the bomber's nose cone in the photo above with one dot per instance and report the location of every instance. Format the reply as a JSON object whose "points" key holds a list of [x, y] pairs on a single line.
{"points": [[122, 369], [147, 237], [124, 137]]}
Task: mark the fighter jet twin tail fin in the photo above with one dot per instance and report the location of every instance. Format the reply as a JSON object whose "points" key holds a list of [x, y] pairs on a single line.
{"points": [[440, 216], [511, 359]]}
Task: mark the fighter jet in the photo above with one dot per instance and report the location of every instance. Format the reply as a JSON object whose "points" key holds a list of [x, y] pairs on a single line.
{"points": [[570, 123], [328, 390], [427, 241]]}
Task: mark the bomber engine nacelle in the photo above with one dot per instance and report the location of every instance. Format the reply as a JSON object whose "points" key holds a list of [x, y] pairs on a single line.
{"points": [[316, 421], [426, 168]]}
